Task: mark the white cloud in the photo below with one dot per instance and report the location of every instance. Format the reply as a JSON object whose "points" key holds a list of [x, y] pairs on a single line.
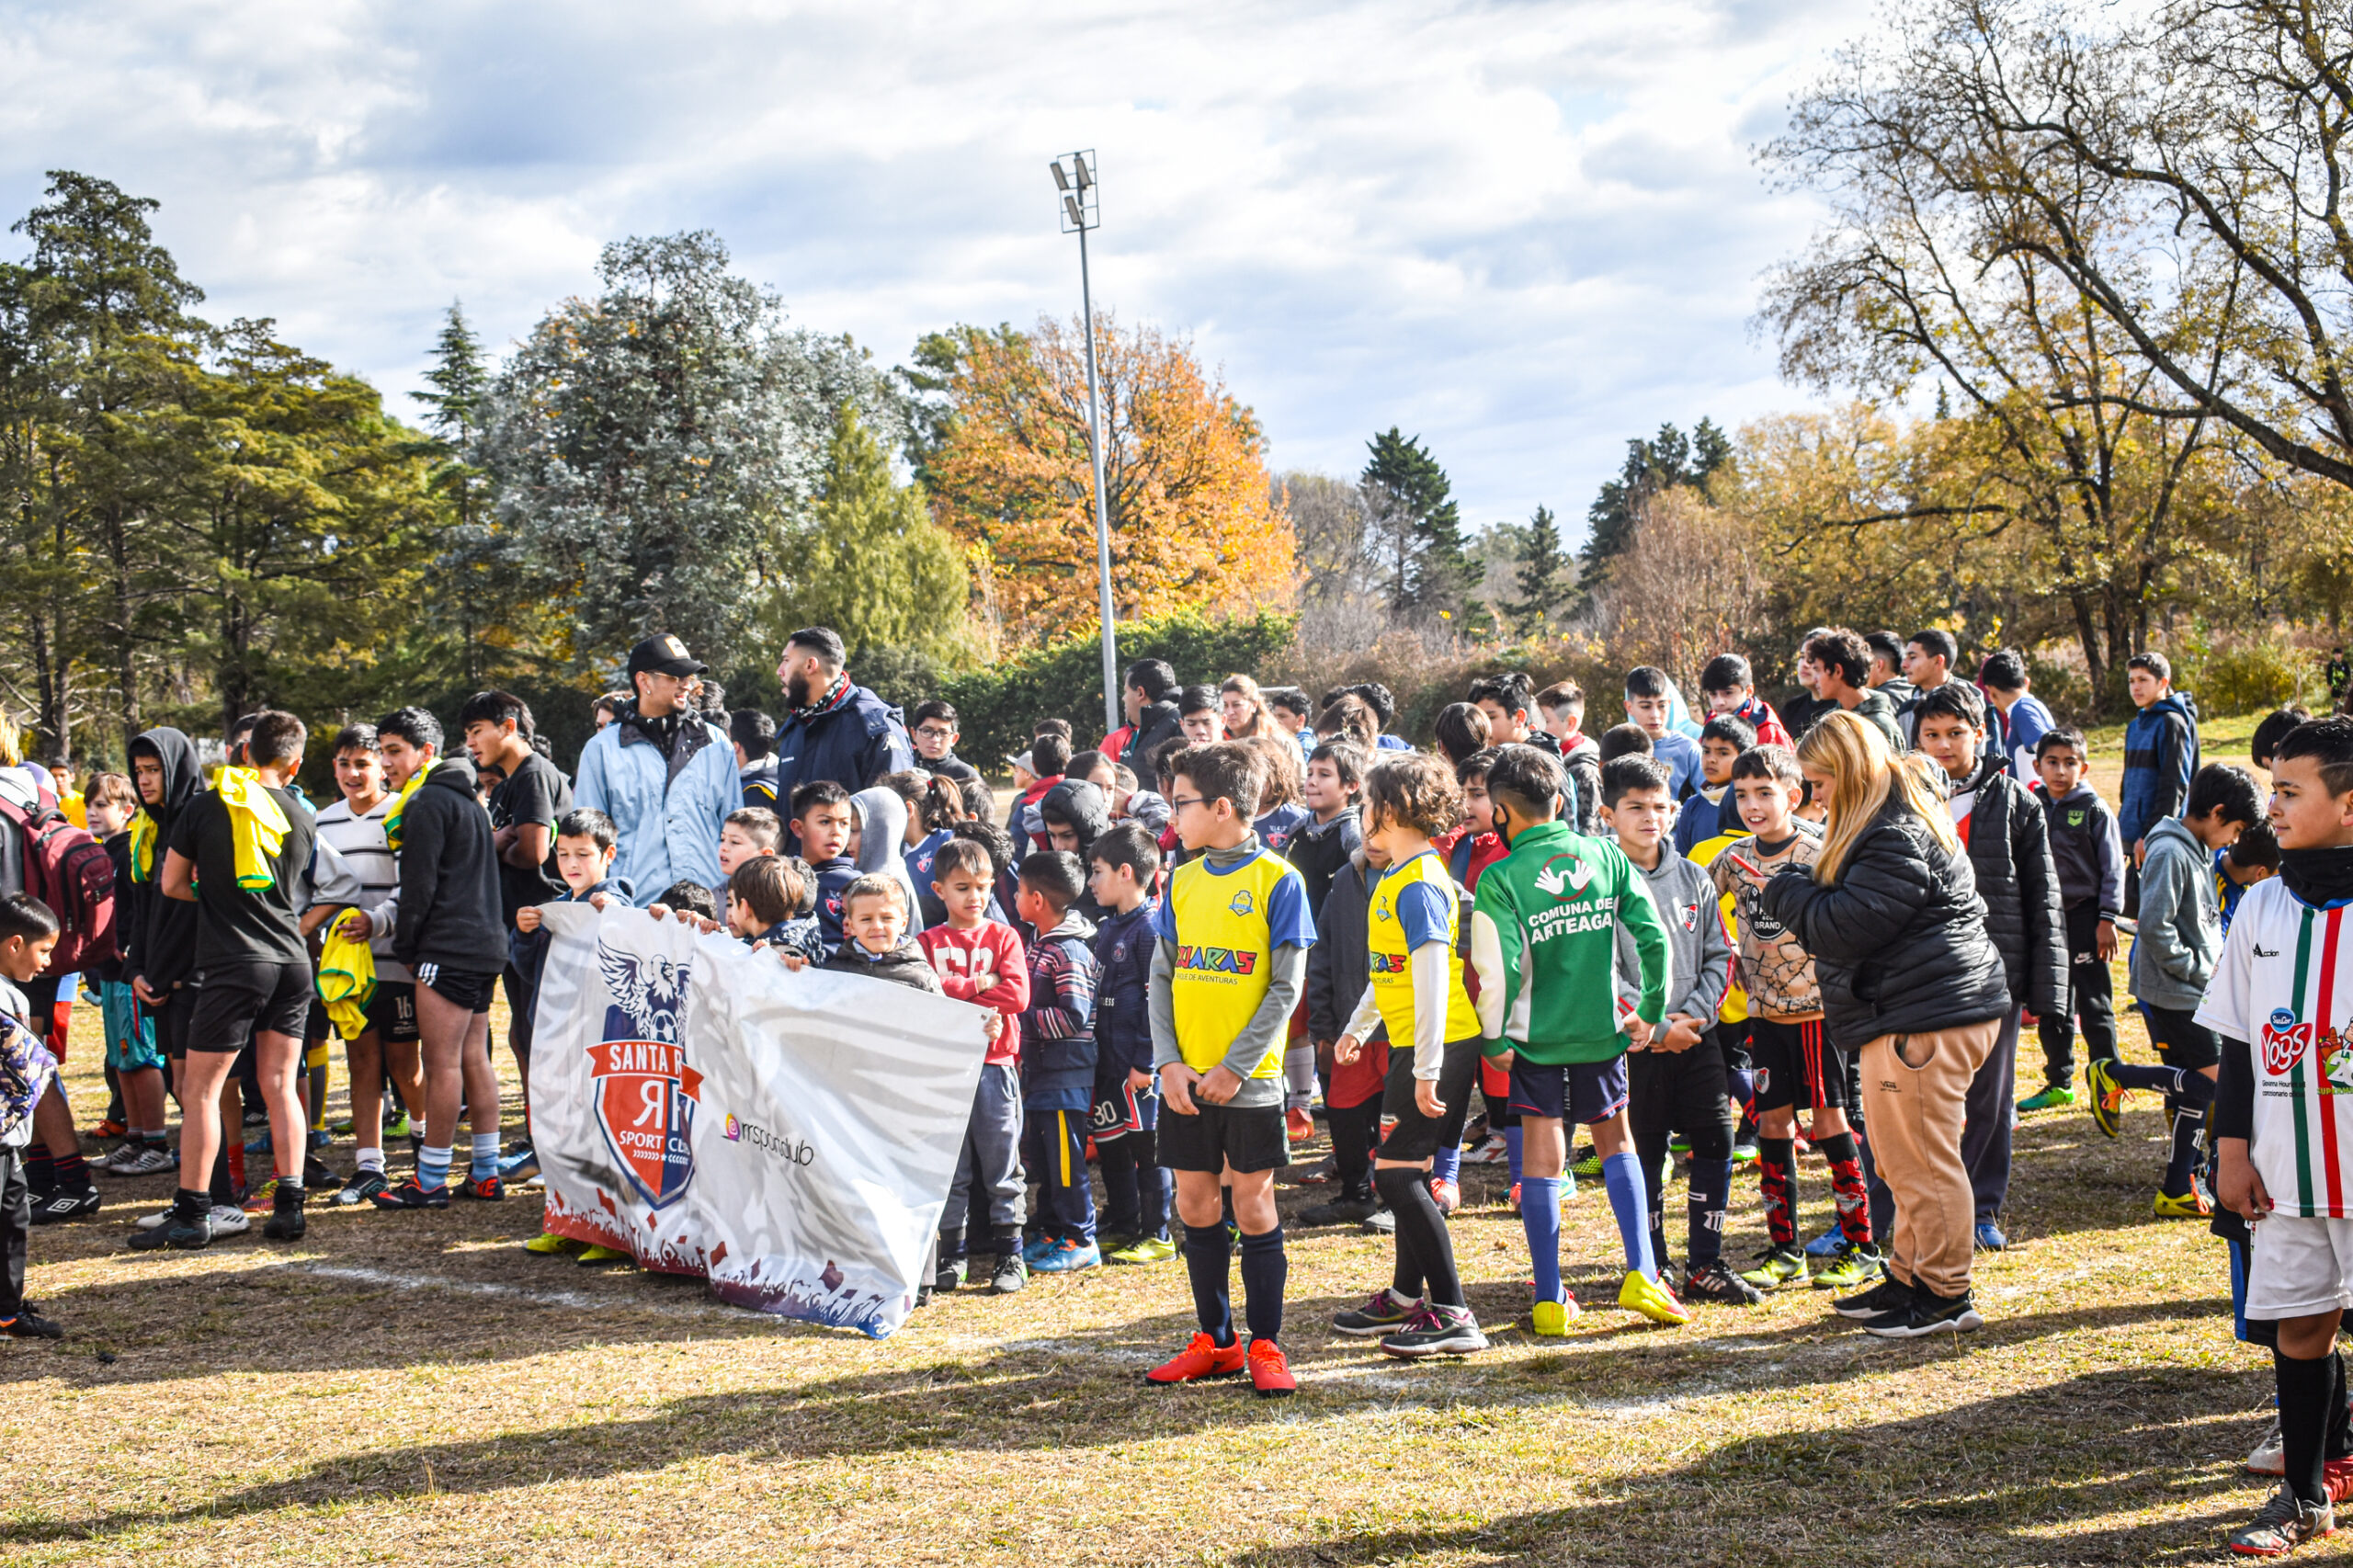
{"points": [[1526, 231]]}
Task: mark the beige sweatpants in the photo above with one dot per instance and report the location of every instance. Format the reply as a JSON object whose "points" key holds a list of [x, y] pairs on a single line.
{"points": [[1914, 1089]]}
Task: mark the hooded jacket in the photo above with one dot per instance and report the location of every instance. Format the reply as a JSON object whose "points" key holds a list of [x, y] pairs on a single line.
{"points": [[1158, 723], [853, 740], [1058, 1049], [757, 780], [449, 911], [902, 965], [1583, 762], [162, 931], [2009, 852], [1698, 948], [1339, 966], [2181, 920], [881, 834], [1123, 948], [1080, 804], [1319, 849], [2085, 849], [667, 806], [1899, 941], [2160, 755]]}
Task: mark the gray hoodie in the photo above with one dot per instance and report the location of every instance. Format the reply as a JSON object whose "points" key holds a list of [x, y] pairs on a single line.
{"points": [[882, 829], [2181, 919], [1287, 974], [1697, 948]]}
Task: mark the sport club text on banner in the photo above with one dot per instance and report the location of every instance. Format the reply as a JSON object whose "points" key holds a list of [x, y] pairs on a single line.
{"points": [[790, 1136]]}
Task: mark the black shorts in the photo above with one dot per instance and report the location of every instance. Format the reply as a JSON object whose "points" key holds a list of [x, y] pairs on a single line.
{"points": [[1733, 1038], [235, 1001], [1798, 1067], [2181, 1039], [172, 1019], [459, 987], [1409, 1135], [1578, 1092], [1219, 1137], [1679, 1091]]}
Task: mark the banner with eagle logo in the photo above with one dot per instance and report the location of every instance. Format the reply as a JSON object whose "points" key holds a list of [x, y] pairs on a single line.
{"points": [[789, 1136]]}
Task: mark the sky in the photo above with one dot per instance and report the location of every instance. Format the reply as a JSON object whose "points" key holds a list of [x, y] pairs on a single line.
{"points": [[1524, 233]]}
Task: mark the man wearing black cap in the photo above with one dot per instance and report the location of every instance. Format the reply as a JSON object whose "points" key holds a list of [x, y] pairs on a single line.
{"points": [[833, 730], [666, 777]]}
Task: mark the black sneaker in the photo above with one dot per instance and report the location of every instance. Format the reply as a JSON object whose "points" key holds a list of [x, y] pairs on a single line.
{"points": [[317, 1177], [30, 1324], [286, 1222], [1339, 1212], [409, 1194], [1718, 1283], [1925, 1315], [62, 1205], [1890, 1295], [1382, 1221], [1435, 1331], [923, 1295], [949, 1275], [364, 1185], [184, 1233], [1011, 1274]]}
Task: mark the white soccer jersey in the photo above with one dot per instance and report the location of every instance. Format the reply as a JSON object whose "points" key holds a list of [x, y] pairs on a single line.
{"points": [[2285, 986]]}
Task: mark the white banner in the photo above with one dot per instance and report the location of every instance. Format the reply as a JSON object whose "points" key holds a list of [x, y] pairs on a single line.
{"points": [[790, 1136]]}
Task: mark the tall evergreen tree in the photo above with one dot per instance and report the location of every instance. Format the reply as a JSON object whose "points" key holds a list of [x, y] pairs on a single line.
{"points": [[1546, 575], [1421, 526], [1666, 460], [458, 383]]}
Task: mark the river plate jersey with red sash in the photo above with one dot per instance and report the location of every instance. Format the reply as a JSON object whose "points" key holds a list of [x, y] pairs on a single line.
{"points": [[2285, 987]]}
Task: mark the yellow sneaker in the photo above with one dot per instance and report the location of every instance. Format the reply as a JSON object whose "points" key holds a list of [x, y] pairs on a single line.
{"points": [[1550, 1319], [603, 1254], [1652, 1299], [2188, 1205], [548, 1244]]}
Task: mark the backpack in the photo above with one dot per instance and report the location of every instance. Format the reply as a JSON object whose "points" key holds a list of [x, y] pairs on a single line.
{"points": [[46, 855]]}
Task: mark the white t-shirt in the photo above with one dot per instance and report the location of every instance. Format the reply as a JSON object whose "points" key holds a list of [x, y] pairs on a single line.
{"points": [[2285, 984], [360, 841]]}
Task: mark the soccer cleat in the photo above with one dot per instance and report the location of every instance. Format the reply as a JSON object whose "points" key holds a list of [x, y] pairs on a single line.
{"points": [[1926, 1314], [362, 1186], [62, 1205], [413, 1194], [1382, 1312], [1776, 1265], [1149, 1249], [1511, 1199], [286, 1222], [2188, 1205], [1744, 1151], [2106, 1096], [112, 1126], [1270, 1370], [1435, 1331], [1826, 1243], [1496, 1151], [489, 1189], [592, 1257], [1889, 1295], [546, 1243], [1011, 1275], [1719, 1284], [1989, 1237], [399, 1126], [1587, 1163], [1448, 1195], [133, 1160], [2270, 1456], [30, 1324], [948, 1275], [1550, 1319], [1201, 1359], [1033, 1250], [2053, 1097], [2284, 1523], [1850, 1268], [1068, 1256], [1652, 1299], [182, 1233], [263, 1198], [1298, 1125], [1381, 1222], [228, 1219]]}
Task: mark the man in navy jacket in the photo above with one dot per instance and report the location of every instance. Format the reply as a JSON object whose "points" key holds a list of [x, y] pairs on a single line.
{"points": [[833, 729]]}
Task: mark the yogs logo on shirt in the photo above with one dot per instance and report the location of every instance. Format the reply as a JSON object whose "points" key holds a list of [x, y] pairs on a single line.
{"points": [[2284, 1041]]}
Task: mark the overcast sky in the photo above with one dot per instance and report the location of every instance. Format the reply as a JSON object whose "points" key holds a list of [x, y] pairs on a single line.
{"points": [[1524, 231]]}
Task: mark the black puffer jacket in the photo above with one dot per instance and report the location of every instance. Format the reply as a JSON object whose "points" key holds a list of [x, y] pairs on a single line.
{"points": [[1156, 724], [1899, 941], [449, 909], [2009, 850]]}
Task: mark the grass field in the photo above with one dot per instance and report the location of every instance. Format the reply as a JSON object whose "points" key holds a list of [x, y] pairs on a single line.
{"points": [[415, 1388]]}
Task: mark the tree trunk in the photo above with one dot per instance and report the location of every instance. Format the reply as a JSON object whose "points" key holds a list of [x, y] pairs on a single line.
{"points": [[2087, 633]]}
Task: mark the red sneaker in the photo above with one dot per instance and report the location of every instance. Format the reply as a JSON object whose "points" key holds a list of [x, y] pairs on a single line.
{"points": [[1204, 1357], [2337, 1479], [109, 1128], [1299, 1122], [1270, 1370]]}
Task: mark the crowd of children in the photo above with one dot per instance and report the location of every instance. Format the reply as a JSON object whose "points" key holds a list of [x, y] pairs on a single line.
{"points": [[1688, 942]]}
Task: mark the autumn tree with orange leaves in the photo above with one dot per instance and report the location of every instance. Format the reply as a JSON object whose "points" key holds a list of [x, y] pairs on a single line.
{"points": [[1004, 457]]}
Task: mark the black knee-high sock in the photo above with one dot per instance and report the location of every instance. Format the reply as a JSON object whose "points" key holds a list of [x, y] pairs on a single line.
{"points": [[2197, 1094], [2340, 1418], [2304, 1391], [1352, 1149], [1422, 1226], [2166, 1081], [1209, 1256], [41, 1172], [1265, 1267]]}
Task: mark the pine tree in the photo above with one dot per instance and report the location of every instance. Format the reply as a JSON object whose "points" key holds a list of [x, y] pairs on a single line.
{"points": [[1431, 569], [1546, 575], [459, 381], [1666, 460]]}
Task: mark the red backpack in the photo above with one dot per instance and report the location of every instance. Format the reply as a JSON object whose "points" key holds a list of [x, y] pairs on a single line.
{"points": [[43, 854]]}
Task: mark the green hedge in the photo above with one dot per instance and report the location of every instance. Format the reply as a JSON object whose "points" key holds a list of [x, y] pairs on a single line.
{"points": [[997, 709]]}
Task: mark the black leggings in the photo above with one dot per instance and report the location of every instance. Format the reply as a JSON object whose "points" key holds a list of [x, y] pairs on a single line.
{"points": [[1356, 1137]]}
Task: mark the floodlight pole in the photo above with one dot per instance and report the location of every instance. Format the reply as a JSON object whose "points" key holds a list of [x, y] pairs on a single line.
{"points": [[1081, 212]]}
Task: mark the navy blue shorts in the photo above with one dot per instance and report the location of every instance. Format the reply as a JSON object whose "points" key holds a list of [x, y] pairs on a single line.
{"points": [[1581, 1092], [1119, 1110]]}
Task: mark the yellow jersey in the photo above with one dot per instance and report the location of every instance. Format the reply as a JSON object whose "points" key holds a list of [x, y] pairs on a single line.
{"points": [[1226, 925], [1414, 905]]}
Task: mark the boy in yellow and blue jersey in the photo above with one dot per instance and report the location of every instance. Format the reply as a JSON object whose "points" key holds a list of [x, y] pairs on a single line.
{"points": [[1231, 960], [1416, 990]]}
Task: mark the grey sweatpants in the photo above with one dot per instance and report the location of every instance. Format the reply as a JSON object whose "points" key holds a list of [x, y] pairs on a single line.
{"points": [[991, 1159]]}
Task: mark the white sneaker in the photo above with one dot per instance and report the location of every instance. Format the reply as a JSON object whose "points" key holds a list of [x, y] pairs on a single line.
{"points": [[2270, 1456], [148, 1161], [1494, 1151], [228, 1219]]}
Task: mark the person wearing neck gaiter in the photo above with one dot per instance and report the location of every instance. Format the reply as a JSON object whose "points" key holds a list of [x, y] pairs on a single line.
{"points": [[2281, 999]]}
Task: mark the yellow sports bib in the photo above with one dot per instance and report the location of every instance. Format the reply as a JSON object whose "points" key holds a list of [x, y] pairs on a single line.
{"points": [[1393, 975], [1223, 959]]}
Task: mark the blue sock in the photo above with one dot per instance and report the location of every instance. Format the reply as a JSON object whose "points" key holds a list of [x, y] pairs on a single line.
{"points": [[485, 1161], [1622, 1173], [1539, 1216], [432, 1168], [1511, 1148], [1446, 1164]]}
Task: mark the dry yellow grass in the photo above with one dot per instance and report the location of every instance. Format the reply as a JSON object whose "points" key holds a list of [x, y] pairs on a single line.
{"points": [[415, 1388]]}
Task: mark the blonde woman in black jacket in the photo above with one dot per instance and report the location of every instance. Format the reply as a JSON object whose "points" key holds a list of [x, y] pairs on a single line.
{"points": [[1913, 987]]}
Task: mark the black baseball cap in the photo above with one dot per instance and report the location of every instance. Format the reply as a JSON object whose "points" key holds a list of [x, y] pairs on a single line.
{"points": [[665, 654]]}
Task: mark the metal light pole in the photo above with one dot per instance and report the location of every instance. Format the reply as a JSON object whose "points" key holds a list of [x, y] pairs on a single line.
{"points": [[1076, 183]]}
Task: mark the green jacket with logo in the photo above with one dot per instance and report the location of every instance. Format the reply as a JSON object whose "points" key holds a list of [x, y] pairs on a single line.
{"points": [[1544, 944]]}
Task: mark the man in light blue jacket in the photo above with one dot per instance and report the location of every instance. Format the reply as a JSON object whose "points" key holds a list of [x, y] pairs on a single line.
{"points": [[665, 778]]}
